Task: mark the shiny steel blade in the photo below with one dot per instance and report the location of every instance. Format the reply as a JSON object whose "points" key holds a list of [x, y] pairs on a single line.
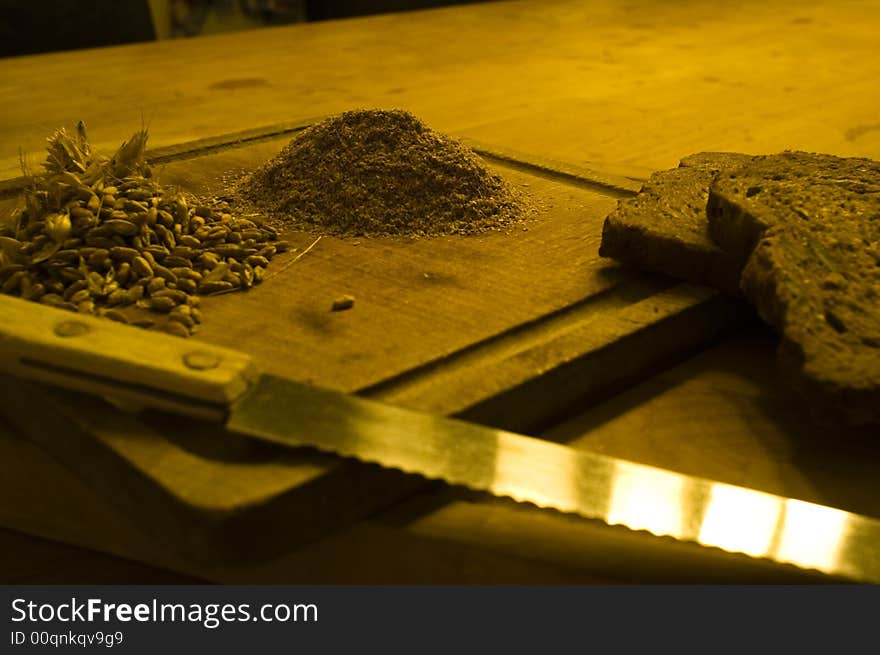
{"points": [[689, 509]]}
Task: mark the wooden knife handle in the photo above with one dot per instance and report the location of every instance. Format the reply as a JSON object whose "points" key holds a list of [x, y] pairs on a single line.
{"points": [[95, 355]]}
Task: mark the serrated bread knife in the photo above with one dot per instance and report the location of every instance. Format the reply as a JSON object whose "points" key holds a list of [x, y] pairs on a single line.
{"points": [[149, 369]]}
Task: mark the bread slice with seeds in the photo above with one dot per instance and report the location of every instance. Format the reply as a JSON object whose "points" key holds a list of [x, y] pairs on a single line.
{"points": [[664, 229], [806, 229]]}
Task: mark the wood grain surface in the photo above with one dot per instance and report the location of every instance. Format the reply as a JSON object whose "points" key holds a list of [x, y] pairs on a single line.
{"points": [[636, 83], [624, 88], [434, 537], [729, 415], [506, 328], [65, 508], [415, 299]]}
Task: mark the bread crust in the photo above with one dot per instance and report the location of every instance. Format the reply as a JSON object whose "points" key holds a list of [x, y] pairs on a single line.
{"points": [[807, 229], [664, 229]]}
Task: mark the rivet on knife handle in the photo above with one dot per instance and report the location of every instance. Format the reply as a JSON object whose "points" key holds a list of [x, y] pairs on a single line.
{"points": [[86, 353]]}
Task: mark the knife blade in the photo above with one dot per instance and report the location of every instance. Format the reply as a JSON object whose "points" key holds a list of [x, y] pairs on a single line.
{"points": [[153, 370]]}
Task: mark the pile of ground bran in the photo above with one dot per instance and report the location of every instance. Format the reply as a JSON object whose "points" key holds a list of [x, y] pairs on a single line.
{"points": [[379, 173]]}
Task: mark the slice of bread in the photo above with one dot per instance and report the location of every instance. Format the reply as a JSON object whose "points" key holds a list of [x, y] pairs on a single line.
{"points": [[663, 229], [806, 228]]}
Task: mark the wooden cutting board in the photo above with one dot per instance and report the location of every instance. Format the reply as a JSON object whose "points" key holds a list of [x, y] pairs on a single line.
{"points": [[511, 329]]}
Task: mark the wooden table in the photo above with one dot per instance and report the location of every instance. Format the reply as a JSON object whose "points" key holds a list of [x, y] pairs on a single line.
{"points": [[623, 88]]}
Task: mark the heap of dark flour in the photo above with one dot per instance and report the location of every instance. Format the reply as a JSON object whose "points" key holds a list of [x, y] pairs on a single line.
{"points": [[373, 172]]}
